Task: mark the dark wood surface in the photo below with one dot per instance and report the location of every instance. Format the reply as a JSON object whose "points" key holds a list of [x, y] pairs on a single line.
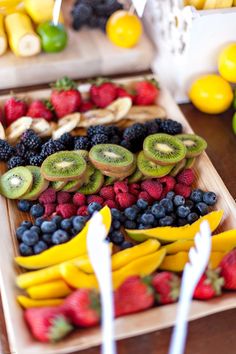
{"points": [[213, 334]]}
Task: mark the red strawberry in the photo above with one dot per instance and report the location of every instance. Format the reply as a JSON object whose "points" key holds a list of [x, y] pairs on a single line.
{"points": [[146, 92], [167, 286], [154, 188], [145, 196], [65, 97], [134, 295], [83, 308], [228, 270], [48, 324], [107, 192], [186, 177], [122, 92], [48, 196], [103, 93], [66, 210], [125, 200], [40, 109], [86, 106], [121, 187], [209, 285], [182, 189], [14, 108], [134, 189]]}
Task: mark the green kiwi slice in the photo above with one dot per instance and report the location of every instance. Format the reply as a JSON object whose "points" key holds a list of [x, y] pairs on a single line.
{"points": [[63, 165], [136, 176], [16, 182], [111, 157], [72, 186], [39, 184], [94, 185], [178, 168], [58, 185], [195, 144], [164, 149], [151, 169], [83, 153], [110, 180], [190, 162]]}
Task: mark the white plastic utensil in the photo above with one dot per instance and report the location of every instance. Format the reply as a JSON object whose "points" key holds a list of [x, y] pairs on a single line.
{"points": [[198, 260], [56, 12], [139, 6], [100, 257]]}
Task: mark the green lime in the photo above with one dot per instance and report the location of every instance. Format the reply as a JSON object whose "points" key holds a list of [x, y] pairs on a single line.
{"points": [[53, 38], [234, 123]]}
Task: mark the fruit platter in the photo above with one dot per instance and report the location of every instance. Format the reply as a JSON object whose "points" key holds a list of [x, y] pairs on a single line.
{"points": [[121, 148]]}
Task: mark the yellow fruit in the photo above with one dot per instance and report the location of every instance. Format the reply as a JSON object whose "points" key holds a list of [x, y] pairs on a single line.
{"points": [[27, 302], [211, 94], [40, 10], [51, 290], [3, 37], [198, 4], [217, 4], [124, 29], [227, 63]]}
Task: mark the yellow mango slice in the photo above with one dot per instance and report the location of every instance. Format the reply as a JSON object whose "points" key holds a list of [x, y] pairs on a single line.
{"points": [[215, 259], [52, 290], [40, 10], [27, 302]]}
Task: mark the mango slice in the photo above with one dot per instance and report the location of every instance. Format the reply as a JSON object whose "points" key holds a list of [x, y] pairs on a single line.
{"points": [[27, 302], [52, 290]]}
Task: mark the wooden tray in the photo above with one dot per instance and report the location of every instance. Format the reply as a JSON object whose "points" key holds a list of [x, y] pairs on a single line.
{"points": [[21, 342]]}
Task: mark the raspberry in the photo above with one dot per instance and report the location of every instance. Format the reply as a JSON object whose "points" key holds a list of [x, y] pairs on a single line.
{"points": [[107, 193], [49, 209], [121, 187], [83, 211], [63, 197], [186, 177], [48, 196], [79, 199], [95, 199], [110, 203], [66, 210], [125, 200], [154, 188], [134, 189], [168, 183], [182, 189], [145, 196]]}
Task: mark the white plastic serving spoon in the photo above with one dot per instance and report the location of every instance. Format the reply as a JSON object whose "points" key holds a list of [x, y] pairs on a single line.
{"points": [[56, 12]]}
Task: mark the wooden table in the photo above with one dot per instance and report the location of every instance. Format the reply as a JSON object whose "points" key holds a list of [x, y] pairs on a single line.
{"points": [[213, 334]]}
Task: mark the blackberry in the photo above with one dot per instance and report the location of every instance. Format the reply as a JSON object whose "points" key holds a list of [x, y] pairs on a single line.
{"points": [[96, 129], [50, 147], [99, 139], [135, 132], [67, 140], [169, 126], [102, 21], [112, 130], [21, 149], [36, 160], [126, 144], [29, 155], [151, 127], [82, 143], [31, 140], [6, 150], [114, 140], [93, 21], [15, 161]]}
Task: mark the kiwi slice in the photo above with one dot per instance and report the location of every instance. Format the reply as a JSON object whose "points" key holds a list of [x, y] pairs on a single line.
{"points": [[136, 176], [111, 157], [164, 149], [72, 186], [151, 169], [190, 162], [39, 184], [63, 165], [83, 153], [58, 185], [178, 168], [195, 144], [16, 182], [94, 185], [110, 180]]}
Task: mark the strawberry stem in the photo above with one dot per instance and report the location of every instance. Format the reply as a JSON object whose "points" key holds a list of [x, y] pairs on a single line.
{"points": [[64, 84]]}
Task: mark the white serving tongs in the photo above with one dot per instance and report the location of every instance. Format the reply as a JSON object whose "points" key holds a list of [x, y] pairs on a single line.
{"points": [[100, 256], [198, 260], [56, 12]]}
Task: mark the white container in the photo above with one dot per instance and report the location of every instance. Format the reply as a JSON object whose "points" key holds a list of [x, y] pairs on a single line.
{"points": [[187, 41]]}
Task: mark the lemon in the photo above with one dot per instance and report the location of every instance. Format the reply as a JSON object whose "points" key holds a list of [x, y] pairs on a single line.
{"points": [[124, 29], [227, 63], [211, 94]]}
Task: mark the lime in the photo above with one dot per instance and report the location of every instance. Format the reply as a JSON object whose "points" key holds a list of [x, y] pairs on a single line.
{"points": [[53, 38]]}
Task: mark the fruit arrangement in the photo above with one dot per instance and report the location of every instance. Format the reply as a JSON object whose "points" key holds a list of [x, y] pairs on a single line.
{"points": [[210, 4]]}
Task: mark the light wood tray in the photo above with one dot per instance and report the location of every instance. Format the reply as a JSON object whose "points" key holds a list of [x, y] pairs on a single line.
{"points": [[21, 342]]}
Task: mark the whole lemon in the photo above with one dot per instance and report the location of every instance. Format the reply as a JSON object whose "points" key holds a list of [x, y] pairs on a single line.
{"points": [[124, 29], [211, 94], [227, 63]]}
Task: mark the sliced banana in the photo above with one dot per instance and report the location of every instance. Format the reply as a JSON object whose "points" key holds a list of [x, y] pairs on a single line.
{"points": [[41, 126], [66, 125], [2, 132], [143, 113], [217, 4], [96, 117], [17, 128], [120, 108]]}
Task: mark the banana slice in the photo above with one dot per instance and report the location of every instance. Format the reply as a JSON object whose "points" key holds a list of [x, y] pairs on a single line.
{"points": [[120, 108], [2, 132], [96, 117], [17, 128], [217, 4], [143, 113], [41, 126], [198, 4], [66, 125]]}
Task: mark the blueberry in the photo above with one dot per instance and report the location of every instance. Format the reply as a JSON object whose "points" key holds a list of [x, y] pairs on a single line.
{"points": [[209, 198], [116, 224], [142, 204], [30, 238], [57, 219], [39, 221], [122, 218], [131, 213], [25, 250], [36, 229], [74, 232], [189, 203], [24, 205], [48, 227], [19, 232], [92, 207], [66, 224], [37, 210], [40, 247], [60, 236], [167, 204], [183, 211], [117, 237], [78, 223], [192, 217], [166, 221], [131, 225], [179, 200], [147, 219], [116, 214], [170, 195], [201, 208], [26, 224], [158, 211], [142, 227], [126, 244], [47, 238], [196, 195], [182, 222]]}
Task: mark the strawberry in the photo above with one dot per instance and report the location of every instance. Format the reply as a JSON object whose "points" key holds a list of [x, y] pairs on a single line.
{"points": [[103, 93], [228, 270], [40, 109], [86, 106], [147, 92], [122, 92], [83, 308], [65, 97], [48, 324], [167, 286], [134, 295], [209, 285], [14, 108]]}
